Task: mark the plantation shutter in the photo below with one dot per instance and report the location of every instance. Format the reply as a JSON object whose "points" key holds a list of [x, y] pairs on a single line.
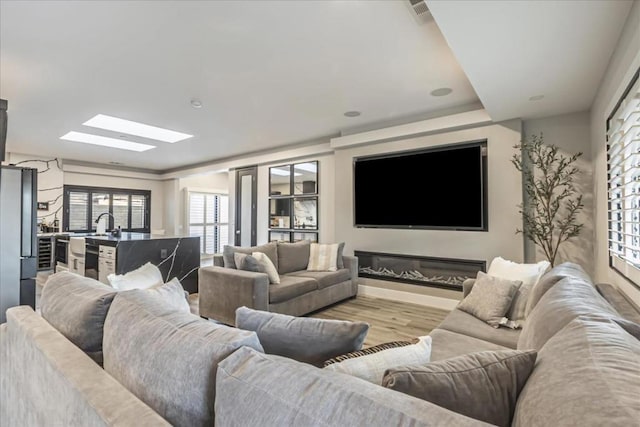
{"points": [[623, 162]]}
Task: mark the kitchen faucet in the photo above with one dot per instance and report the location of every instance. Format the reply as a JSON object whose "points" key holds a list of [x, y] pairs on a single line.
{"points": [[116, 231]]}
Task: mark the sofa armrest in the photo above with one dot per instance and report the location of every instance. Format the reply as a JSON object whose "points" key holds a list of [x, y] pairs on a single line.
{"points": [[351, 263], [218, 260], [466, 286], [222, 290]]}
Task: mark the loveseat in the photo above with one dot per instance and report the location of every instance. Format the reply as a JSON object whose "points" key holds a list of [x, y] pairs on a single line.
{"points": [[163, 367], [223, 288]]}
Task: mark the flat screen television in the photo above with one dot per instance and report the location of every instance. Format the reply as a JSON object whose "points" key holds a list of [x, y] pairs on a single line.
{"points": [[442, 187]]}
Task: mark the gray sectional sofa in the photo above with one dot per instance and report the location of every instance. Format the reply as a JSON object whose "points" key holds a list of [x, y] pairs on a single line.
{"points": [[167, 368], [223, 288]]}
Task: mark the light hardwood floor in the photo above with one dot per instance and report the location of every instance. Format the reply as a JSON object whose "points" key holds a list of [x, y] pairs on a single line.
{"points": [[388, 320]]}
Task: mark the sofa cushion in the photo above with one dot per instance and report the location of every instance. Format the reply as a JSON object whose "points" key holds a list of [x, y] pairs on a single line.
{"points": [[566, 300], [371, 367], [483, 385], [549, 279], [490, 298], [291, 287], [588, 374], [282, 392], [465, 324], [270, 249], [77, 307], [293, 256], [446, 344], [304, 339], [166, 358], [325, 278]]}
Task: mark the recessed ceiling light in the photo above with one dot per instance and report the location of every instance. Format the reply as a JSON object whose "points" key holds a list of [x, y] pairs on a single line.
{"points": [[352, 113], [106, 142], [443, 91], [115, 124], [536, 98], [196, 103]]}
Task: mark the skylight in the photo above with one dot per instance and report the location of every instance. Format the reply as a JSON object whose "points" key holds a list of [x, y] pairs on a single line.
{"points": [[106, 142], [129, 127]]}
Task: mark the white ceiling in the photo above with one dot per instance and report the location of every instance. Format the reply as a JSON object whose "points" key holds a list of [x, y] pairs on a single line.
{"points": [[274, 73], [269, 73], [514, 50]]}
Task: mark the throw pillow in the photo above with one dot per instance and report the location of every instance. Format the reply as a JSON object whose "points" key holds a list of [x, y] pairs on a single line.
{"points": [[143, 277], [171, 294], [373, 366], [528, 274], [369, 350], [304, 339], [247, 263], [267, 266], [490, 298], [483, 385], [323, 257]]}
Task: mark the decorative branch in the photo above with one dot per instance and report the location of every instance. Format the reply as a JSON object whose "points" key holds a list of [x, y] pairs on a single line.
{"points": [[47, 162], [554, 203]]}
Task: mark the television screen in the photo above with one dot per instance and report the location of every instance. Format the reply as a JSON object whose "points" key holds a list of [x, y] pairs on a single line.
{"points": [[437, 188]]}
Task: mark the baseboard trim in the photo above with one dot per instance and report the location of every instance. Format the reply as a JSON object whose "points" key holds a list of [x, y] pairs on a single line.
{"points": [[394, 295]]}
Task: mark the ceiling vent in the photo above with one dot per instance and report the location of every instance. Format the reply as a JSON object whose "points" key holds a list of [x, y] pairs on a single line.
{"points": [[419, 10]]}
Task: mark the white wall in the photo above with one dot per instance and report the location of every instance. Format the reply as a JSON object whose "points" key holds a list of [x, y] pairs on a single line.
{"points": [[505, 193], [50, 182], [571, 133], [622, 66]]}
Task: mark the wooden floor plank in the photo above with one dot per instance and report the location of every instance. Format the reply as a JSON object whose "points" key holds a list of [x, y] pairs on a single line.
{"points": [[388, 320]]}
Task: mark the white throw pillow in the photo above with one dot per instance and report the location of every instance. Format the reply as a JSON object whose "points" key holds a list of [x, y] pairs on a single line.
{"points": [[528, 274], [171, 294], [268, 266], [141, 278], [323, 257], [373, 366]]}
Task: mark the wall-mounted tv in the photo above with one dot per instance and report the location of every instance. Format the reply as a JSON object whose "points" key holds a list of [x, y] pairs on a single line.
{"points": [[443, 187]]}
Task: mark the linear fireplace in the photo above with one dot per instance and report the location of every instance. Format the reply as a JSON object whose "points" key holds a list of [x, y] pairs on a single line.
{"points": [[447, 273]]}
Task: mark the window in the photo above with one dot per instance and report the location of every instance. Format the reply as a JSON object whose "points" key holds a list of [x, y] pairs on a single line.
{"points": [[83, 205], [209, 220], [623, 163]]}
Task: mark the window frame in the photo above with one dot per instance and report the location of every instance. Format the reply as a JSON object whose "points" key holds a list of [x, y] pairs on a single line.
{"points": [[626, 268], [205, 224], [89, 190]]}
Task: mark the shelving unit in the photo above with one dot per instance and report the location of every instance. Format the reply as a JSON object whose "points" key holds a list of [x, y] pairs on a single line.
{"points": [[293, 202], [45, 253]]}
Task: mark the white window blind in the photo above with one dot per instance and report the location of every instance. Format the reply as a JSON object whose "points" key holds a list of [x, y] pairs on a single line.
{"points": [[209, 219], [623, 156]]}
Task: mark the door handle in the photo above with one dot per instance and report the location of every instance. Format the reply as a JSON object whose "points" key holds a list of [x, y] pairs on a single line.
{"points": [[237, 231]]}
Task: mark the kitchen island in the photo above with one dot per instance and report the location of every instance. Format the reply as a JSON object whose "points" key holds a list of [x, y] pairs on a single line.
{"points": [[175, 256]]}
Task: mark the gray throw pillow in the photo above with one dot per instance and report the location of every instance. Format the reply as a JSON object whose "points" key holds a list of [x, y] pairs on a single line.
{"points": [[293, 256], [304, 339], [483, 385], [490, 298], [247, 263]]}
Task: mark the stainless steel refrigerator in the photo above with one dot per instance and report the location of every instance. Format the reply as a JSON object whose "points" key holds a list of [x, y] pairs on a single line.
{"points": [[18, 237]]}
